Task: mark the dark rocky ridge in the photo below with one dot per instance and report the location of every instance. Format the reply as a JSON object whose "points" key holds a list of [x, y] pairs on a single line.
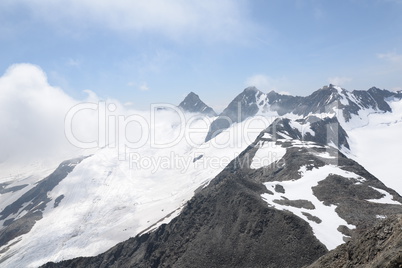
{"points": [[193, 104], [227, 224], [326, 131], [4, 189], [377, 247], [323, 100], [349, 196]]}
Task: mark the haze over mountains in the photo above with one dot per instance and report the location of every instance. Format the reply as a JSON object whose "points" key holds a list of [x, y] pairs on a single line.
{"points": [[272, 181]]}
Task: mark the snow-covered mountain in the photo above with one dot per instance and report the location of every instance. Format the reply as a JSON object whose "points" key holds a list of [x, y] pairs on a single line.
{"points": [[272, 173], [371, 118], [105, 200], [283, 202], [329, 99]]}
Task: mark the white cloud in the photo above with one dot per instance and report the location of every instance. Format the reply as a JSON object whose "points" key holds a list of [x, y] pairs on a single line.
{"points": [[33, 115], [224, 19], [260, 81], [143, 87], [30, 110], [339, 80], [391, 56], [266, 83]]}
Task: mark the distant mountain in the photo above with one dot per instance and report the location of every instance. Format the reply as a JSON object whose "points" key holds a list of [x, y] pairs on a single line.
{"points": [[333, 97], [193, 104], [283, 202], [245, 105], [329, 99]]}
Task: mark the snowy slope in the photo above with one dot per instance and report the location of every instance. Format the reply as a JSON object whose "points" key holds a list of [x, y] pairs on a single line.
{"points": [[377, 144], [326, 228], [305, 193], [315, 192], [107, 200]]}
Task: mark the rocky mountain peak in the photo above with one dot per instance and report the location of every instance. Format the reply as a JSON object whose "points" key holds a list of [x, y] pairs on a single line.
{"points": [[249, 96], [193, 104], [273, 95], [251, 89], [243, 106]]}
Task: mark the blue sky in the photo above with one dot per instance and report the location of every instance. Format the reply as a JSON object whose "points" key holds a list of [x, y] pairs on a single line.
{"points": [[158, 51]]}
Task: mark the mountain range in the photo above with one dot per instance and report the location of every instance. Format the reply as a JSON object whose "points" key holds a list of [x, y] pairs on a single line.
{"points": [[273, 181]]}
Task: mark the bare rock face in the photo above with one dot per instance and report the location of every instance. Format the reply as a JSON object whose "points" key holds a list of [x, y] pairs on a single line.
{"points": [[379, 246], [193, 104], [239, 109]]}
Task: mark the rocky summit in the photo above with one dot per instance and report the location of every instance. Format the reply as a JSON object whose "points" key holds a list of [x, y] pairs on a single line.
{"points": [[193, 104]]}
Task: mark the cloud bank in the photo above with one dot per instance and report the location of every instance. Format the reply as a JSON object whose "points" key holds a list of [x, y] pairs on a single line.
{"points": [[41, 123], [32, 115]]}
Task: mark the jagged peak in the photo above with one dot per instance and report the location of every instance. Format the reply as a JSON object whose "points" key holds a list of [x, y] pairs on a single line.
{"points": [[379, 90], [251, 89], [190, 97], [333, 89], [248, 96], [192, 103], [329, 93], [324, 100], [192, 94], [374, 88], [273, 92]]}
